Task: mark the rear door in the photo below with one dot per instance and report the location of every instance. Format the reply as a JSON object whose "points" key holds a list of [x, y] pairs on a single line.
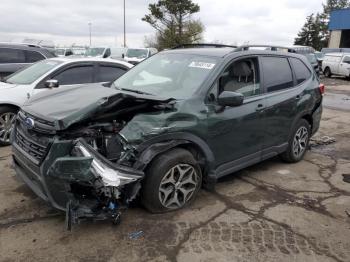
{"points": [[281, 100]]}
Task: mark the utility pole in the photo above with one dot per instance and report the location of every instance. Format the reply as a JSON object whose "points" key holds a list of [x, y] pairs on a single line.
{"points": [[124, 27], [90, 24]]}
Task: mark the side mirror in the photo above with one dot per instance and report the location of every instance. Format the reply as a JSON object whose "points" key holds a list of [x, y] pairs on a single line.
{"points": [[231, 99], [123, 55], [52, 83]]}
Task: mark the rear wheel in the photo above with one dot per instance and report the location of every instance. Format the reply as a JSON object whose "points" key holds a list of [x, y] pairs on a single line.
{"points": [[298, 143], [327, 72], [7, 118], [172, 181]]}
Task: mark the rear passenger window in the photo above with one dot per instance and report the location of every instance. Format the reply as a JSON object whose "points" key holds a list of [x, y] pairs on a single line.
{"points": [[277, 73], [8, 56], [109, 73], [33, 56], [302, 73]]}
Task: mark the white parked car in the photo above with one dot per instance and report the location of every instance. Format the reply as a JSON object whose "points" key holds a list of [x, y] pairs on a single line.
{"points": [[63, 52], [336, 64], [137, 55], [16, 89], [103, 52]]}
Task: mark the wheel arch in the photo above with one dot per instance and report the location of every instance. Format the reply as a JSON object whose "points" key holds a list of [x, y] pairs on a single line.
{"points": [[200, 150], [10, 105]]}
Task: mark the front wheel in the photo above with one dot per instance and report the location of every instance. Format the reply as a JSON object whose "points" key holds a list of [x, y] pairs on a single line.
{"points": [[298, 143], [172, 181], [7, 118]]}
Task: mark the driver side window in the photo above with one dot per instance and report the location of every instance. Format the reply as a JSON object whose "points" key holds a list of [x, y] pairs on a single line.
{"points": [[241, 77]]}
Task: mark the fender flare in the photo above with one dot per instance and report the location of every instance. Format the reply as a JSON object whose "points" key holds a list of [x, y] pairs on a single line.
{"points": [[297, 119], [149, 149]]}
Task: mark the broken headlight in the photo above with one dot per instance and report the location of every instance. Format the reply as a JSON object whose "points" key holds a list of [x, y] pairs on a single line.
{"points": [[111, 175]]}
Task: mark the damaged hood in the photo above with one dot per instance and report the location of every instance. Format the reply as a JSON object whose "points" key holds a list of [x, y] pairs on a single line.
{"points": [[70, 105]]}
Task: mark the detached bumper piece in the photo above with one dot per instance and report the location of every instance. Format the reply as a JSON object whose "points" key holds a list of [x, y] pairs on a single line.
{"points": [[76, 179]]}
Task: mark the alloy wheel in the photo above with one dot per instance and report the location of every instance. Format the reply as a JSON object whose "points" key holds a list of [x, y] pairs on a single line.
{"points": [[300, 141], [6, 124], [178, 186]]}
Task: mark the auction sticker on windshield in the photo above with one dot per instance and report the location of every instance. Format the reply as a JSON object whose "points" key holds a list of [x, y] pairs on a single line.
{"points": [[203, 65]]}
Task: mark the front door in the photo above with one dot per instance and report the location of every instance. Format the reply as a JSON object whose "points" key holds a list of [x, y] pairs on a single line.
{"points": [[235, 133], [73, 75]]}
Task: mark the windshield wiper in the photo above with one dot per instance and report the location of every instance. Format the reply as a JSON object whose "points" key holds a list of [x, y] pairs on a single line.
{"points": [[136, 91]]}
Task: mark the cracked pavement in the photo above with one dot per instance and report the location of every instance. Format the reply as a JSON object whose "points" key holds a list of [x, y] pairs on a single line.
{"points": [[272, 211]]}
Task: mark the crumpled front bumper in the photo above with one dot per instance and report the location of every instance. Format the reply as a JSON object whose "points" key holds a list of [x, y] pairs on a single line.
{"points": [[52, 179]]}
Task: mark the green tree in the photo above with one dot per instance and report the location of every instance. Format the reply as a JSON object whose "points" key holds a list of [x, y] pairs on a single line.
{"points": [[173, 22], [310, 33]]}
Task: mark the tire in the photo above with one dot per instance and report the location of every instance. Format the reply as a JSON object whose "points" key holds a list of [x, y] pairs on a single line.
{"points": [[298, 144], [161, 190], [7, 116], [327, 72]]}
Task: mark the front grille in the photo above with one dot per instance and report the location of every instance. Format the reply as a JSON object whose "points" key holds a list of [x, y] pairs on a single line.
{"points": [[41, 125], [34, 149]]}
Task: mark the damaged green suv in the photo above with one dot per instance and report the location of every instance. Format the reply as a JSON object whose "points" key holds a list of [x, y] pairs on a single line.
{"points": [[177, 121]]}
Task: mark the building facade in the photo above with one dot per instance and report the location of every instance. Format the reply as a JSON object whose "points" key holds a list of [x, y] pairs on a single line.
{"points": [[339, 26]]}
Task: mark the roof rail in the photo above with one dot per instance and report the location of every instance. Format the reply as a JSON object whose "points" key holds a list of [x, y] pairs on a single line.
{"points": [[268, 47], [19, 43], [202, 45]]}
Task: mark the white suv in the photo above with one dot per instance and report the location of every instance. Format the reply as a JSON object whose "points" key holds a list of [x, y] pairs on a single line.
{"points": [[51, 73], [336, 64]]}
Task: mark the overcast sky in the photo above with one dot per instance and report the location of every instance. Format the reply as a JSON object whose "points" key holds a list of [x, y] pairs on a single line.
{"points": [[227, 21]]}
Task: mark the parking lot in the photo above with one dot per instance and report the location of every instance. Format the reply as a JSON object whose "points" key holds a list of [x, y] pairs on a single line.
{"points": [[269, 212]]}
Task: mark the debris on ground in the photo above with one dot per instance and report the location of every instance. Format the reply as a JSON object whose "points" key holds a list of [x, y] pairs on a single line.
{"points": [[135, 235], [347, 212], [321, 141]]}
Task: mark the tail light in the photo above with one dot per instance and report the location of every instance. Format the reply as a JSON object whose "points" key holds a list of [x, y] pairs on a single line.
{"points": [[322, 88]]}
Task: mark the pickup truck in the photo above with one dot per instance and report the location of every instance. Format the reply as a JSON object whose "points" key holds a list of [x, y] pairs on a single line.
{"points": [[336, 64]]}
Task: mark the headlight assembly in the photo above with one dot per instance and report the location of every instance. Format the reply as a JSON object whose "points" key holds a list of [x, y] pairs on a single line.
{"points": [[111, 175]]}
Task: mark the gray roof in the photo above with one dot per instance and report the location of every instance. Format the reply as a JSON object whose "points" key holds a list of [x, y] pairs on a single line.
{"points": [[224, 51], [217, 52]]}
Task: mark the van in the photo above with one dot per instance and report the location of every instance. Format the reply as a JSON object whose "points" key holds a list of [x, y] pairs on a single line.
{"points": [[336, 64]]}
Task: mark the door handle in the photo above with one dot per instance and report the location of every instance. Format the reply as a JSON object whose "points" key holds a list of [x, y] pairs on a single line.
{"points": [[298, 97], [259, 107]]}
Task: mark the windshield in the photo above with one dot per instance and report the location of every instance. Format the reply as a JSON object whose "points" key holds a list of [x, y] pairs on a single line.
{"points": [[312, 58], [319, 55], [168, 75], [59, 51], [32, 73], [96, 51], [137, 53]]}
